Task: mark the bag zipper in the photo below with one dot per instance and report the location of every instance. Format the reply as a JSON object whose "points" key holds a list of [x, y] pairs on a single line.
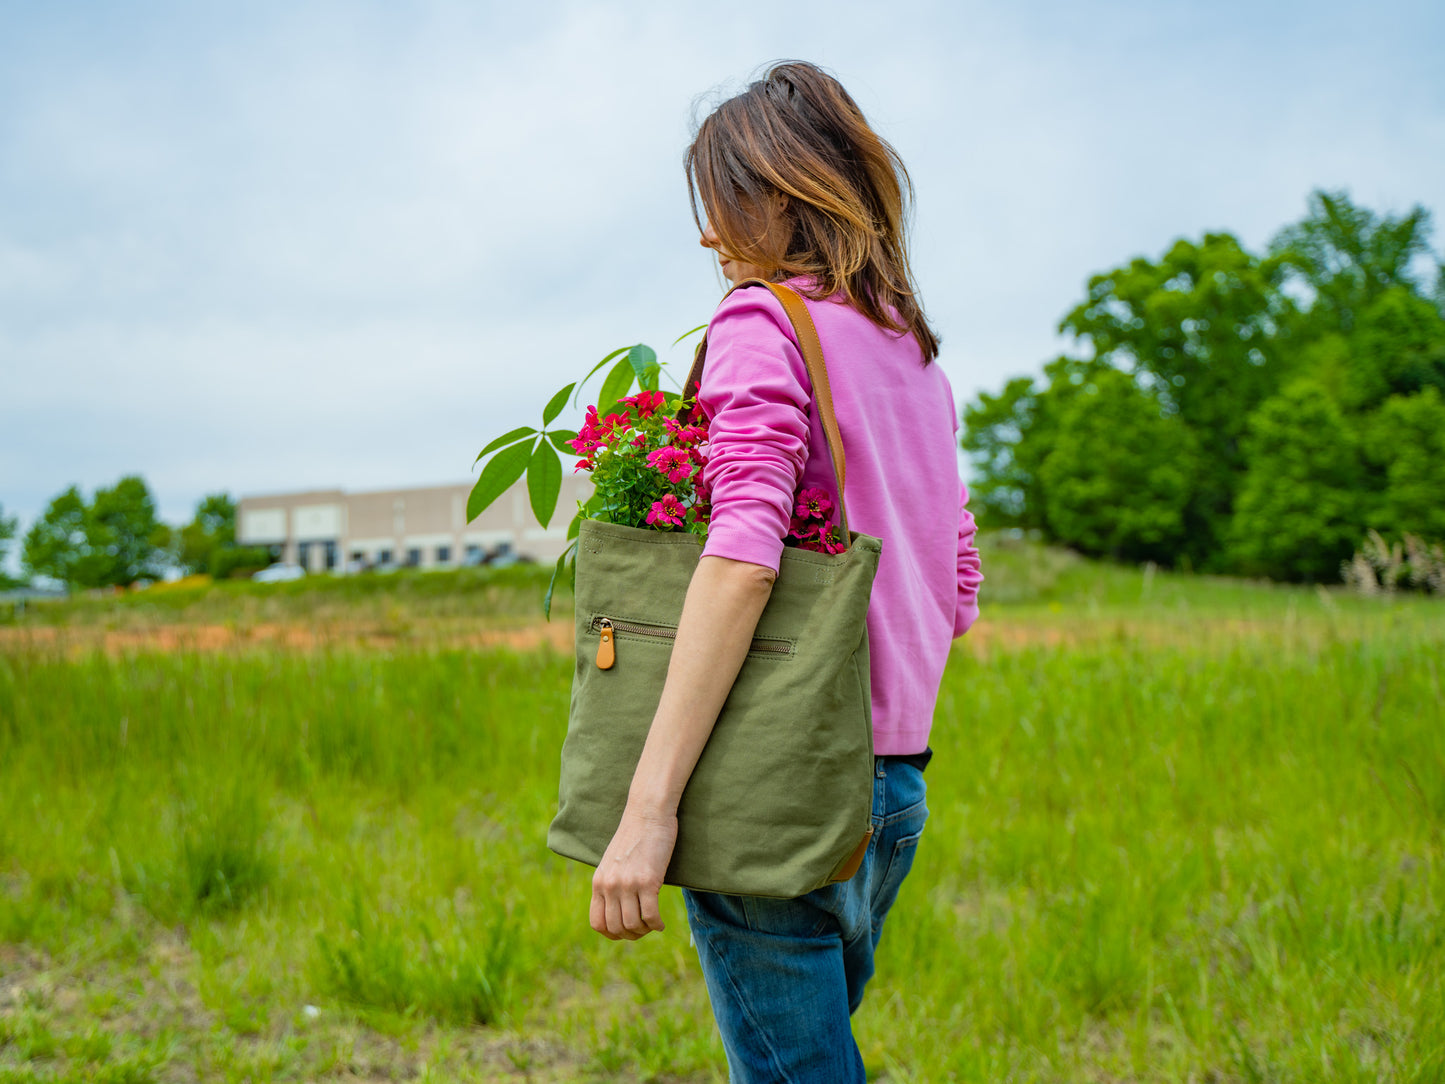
{"points": [[607, 644]]}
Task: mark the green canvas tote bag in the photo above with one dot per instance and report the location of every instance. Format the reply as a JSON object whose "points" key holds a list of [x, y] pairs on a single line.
{"points": [[780, 802]]}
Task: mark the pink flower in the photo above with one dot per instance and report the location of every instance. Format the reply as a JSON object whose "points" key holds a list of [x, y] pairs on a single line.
{"points": [[674, 463], [828, 540], [647, 403], [582, 464], [668, 512], [685, 436], [814, 503], [802, 530]]}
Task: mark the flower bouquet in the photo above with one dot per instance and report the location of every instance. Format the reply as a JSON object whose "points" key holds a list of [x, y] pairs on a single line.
{"points": [[646, 465], [643, 460], [645, 454]]}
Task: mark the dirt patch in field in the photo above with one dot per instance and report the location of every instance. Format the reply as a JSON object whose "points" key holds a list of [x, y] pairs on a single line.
{"points": [[286, 637], [983, 640]]}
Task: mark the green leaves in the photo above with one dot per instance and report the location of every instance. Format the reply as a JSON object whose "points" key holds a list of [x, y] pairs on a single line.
{"points": [[592, 371], [544, 481], [497, 476], [567, 561], [535, 452], [505, 438], [555, 404], [618, 381], [643, 360]]}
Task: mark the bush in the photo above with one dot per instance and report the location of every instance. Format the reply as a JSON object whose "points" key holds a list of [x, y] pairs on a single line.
{"points": [[238, 563]]}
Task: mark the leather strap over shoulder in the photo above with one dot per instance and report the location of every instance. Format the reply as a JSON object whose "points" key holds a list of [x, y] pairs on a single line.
{"points": [[812, 350]]}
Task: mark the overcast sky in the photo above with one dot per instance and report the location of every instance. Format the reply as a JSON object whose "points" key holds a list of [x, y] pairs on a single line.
{"points": [[275, 246]]}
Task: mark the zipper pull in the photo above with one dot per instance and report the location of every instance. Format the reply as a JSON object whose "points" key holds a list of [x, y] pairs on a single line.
{"points": [[606, 649]]}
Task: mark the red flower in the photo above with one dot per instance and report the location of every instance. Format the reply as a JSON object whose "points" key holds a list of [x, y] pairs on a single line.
{"points": [[685, 436], [673, 462], [802, 530], [647, 403], [828, 540], [814, 503], [668, 512]]}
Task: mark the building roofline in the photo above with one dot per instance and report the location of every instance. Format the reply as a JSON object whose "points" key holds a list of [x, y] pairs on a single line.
{"points": [[338, 492]]}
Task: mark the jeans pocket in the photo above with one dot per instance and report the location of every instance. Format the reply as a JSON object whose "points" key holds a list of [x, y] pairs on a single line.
{"points": [[806, 917], [885, 887]]}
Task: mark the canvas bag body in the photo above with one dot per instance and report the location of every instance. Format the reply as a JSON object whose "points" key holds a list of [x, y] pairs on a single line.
{"points": [[780, 801]]}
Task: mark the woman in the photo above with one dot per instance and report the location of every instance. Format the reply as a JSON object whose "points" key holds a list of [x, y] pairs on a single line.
{"points": [[797, 188]]}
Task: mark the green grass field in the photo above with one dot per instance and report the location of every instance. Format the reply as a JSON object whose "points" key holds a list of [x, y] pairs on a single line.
{"points": [[1181, 830]]}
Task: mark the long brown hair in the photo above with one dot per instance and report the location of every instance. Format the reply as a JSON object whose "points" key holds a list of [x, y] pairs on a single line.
{"points": [[794, 180]]}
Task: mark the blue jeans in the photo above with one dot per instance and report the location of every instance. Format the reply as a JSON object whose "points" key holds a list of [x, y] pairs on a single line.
{"points": [[784, 976]]}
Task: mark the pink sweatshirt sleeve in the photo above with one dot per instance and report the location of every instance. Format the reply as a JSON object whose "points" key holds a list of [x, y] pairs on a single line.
{"points": [[970, 574], [756, 389]]}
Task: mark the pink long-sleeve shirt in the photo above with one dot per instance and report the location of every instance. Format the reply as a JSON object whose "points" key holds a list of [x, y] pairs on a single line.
{"points": [[899, 430]]}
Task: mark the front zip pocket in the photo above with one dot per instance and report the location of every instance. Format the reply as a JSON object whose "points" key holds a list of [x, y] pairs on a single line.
{"points": [[607, 629]]}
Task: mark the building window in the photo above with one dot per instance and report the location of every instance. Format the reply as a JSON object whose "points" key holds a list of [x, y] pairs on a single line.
{"points": [[473, 556], [303, 555], [413, 557], [330, 556], [444, 555], [383, 557]]}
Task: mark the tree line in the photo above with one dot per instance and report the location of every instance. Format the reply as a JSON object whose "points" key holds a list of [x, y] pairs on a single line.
{"points": [[116, 538], [1233, 411]]}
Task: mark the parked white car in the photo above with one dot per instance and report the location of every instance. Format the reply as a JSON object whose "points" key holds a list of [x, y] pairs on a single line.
{"points": [[280, 572]]}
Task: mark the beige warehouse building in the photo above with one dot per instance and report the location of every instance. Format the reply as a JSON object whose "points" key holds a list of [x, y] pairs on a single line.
{"points": [[332, 530]]}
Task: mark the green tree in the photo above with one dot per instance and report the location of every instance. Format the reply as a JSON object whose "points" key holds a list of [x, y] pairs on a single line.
{"points": [[114, 540], [1214, 333], [1301, 509], [1005, 490], [127, 531], [1398, 349], [1406, 438], [8, 526], [213, 528], [1201, 327], [58, 543], [1347, 257], [1118, 473]]}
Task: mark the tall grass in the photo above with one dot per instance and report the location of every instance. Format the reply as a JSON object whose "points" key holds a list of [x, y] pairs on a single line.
{"points": [[1208, 853], [400, 596]]}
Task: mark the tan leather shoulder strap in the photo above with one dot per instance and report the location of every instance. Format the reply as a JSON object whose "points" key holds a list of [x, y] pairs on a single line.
{"points": [[811, 348]]}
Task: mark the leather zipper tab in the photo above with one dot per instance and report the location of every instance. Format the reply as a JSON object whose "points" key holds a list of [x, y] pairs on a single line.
{"points": [[606, 649]]}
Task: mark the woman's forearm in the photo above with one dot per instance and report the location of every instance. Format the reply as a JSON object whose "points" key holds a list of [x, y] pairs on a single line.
{"points": [[719, 616]]}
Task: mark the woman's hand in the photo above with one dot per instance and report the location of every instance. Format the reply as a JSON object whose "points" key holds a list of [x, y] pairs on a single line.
{"points": [[629, 877]]}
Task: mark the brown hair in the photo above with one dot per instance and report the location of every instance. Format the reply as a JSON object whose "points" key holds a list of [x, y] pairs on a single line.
{"points": [[794, 180]]}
